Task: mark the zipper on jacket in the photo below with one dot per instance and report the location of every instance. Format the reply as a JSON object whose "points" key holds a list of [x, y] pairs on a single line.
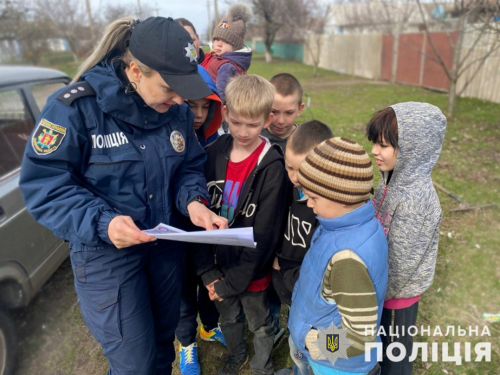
{"points": [[384, 193]]}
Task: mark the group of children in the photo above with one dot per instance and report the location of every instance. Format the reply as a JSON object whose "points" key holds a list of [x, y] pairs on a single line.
{"points": [[324, 247]]}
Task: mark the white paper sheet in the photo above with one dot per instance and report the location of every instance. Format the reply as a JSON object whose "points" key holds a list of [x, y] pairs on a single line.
{"points": [[232, 236]]}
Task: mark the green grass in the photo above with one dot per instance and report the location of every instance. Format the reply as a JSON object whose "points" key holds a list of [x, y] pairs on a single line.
{"points": [[466, 283]]}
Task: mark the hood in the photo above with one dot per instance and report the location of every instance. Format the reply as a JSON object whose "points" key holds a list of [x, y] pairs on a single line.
{"points": [[112, 99], [269, 154], [421, 129], [214, 118], [242, 57]]}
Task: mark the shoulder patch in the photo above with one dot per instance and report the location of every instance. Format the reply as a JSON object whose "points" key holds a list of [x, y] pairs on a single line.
{"points": [[75, 91], [47, 137]]}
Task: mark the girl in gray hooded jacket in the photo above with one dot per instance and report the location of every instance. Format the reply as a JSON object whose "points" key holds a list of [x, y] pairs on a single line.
{"points": [[407, 140]]}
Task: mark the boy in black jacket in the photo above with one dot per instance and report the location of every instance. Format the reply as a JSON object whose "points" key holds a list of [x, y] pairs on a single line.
{"points": [[247, 185], [301, 220]]}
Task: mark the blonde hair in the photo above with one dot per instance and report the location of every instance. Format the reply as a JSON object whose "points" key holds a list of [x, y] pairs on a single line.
{"points": [[250, 96], [113, 43]]}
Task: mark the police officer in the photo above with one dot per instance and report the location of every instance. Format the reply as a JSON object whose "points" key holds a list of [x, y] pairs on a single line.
{"points": [[112, 154]]}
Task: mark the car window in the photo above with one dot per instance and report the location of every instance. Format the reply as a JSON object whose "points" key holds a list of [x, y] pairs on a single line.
{"points": [[41, 92], [16, 125]]}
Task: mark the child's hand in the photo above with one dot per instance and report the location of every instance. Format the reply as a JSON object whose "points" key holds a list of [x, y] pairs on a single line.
{"points": [[311, 337], [276, 264], [212, 294]]}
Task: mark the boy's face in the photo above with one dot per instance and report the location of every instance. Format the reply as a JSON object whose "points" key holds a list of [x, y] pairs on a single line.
{"points": [[221, 47], [200, 109], [292, 164], [324, 207], [285, 109], [194, 36], [385, 155], [244, 130]]}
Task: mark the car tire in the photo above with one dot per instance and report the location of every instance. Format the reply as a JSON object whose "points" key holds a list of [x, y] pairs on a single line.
{"points": [[7, 343]]}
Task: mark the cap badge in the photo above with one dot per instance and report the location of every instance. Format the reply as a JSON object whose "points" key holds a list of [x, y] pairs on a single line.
{"points": [[191, 53], [177, 140], [223, 25]]}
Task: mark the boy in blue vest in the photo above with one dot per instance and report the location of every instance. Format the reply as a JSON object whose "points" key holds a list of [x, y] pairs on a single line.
{"points": [[343, 277]]}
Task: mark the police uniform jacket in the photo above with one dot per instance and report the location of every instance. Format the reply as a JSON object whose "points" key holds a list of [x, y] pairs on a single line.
{"points": [[98, 152]]}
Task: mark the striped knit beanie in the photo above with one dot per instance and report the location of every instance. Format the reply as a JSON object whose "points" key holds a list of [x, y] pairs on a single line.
{"points": [[338, 169]]}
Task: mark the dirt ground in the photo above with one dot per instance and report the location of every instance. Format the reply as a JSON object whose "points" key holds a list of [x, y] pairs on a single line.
{"points": [[53, 339]]}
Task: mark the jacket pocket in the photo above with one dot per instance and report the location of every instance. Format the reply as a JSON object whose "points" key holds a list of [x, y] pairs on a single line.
{"points": [[100, 308]]}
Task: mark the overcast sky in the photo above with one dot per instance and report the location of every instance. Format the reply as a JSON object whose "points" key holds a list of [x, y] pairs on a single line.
{"points": [[194, 10]]}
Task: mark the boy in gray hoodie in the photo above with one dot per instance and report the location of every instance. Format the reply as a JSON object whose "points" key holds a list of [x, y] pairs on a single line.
{"points": [[407, 140]]}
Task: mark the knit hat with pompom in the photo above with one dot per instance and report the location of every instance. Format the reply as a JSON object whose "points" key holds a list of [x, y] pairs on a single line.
{"points": [[232, 28]]}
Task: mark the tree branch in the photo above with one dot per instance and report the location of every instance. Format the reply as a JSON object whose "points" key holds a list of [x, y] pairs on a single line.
{"points": [[434, 49]]}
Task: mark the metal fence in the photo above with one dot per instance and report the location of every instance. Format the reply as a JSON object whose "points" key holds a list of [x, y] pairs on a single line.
{"points": [[371, 56], [354, 54]]}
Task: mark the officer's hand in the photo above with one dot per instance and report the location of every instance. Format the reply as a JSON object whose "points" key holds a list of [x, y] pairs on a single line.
{"points": [[201, 216], [123, 232]]}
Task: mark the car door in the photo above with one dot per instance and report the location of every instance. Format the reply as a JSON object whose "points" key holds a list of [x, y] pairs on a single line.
{"points": [[22, 239]]}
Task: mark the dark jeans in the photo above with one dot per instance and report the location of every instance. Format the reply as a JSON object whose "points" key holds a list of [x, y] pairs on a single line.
{"points": [[194, 300], [402, 319], [255, 306], [129, 299]]}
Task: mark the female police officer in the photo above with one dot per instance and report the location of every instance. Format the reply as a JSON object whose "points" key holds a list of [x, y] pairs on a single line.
{"points": [[112, 154]]}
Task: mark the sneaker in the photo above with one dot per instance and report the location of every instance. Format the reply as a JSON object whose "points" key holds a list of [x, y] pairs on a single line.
{"points": [[212, 335], [278, 336], [231, 366], [189, 360]]}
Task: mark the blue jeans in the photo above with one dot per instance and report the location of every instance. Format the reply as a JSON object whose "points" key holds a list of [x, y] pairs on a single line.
{"points": [[300, 363], [129, 299]]}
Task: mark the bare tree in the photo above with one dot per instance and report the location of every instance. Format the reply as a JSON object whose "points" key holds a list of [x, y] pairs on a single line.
{"points": [[19, 23], [69, 20], [476, 41], [315, 29], [387, 17], [269, 12], [277, 14]]}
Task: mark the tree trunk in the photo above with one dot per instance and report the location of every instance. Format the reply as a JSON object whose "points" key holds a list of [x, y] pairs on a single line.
{"points": [[395, 51], [452, 98], [315, 70], [269, 57], [454, 73]]}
